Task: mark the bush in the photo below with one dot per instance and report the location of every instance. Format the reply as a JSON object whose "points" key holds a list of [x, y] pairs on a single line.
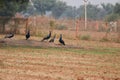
{"points": [[52, 25], [104, 39], [112, 17], [61, 27], [85, 37]]}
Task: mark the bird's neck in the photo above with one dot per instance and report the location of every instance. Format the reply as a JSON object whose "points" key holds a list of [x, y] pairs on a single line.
{"points": [[50, 34], [61, 38]]}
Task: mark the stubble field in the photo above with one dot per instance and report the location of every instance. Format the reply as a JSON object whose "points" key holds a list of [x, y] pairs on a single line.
{"points": [[90, 60]]}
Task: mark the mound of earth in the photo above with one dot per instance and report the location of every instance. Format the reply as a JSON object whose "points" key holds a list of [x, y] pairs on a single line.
{"points": [[34, 43]]}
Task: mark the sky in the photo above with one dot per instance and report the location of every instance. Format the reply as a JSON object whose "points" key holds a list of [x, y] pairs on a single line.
{"points": [[77, 3]]}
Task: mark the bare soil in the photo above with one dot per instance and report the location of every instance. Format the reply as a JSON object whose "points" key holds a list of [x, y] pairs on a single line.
{"points": [[45, 64]]}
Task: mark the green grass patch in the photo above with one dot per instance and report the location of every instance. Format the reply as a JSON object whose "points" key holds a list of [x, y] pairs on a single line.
{"points": [[87, 51], [50, 50]]}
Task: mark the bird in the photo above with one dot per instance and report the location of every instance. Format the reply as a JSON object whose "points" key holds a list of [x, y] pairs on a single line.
{"points": [[27, 35], [52, 40], [9, 35], [61, 40], [47, 37]]}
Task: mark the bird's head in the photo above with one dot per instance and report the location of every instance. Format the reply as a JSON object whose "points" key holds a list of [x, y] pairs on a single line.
{"points": [[54, 35], [50, 32], [28, 31], [12, 33], [60, 35]]}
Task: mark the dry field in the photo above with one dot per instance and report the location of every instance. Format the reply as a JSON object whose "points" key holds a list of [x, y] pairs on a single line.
{"points": [[90, 60]]}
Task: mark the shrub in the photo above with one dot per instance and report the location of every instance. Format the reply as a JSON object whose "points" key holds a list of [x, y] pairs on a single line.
{"points": [[85, 37], [52, 25], [61, 27], [112, 17], [104, 39]]}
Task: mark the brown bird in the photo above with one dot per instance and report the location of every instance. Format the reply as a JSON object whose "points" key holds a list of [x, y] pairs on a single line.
{"points": [[52, 40]]}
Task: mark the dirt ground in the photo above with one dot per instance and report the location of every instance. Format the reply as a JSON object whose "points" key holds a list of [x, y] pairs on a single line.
{"points": [[40, 65], [49, 64]]}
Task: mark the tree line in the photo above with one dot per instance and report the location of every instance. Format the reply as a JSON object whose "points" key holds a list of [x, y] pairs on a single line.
{"points": [[59, 9]]}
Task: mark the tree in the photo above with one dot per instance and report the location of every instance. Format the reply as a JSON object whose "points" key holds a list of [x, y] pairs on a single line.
{"points": [[117, 8], [44, 5], [58, 9], [70, 12], [108, 8], [92, 11], [9, 8], [115, 15], [112, 17]]}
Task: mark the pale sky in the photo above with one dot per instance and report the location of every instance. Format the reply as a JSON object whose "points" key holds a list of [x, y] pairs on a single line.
{"points": [[77, 3]]}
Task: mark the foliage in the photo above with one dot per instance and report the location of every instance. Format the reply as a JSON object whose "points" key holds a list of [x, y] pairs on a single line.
{"points": [[104, 39], [117, 9], [85, 37], [112, 17], [115, 15], [44, 5], [94, 11], [58, 9], [10, 7], [108, 8], [69, 13], [52, 25], [61, 27]]}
